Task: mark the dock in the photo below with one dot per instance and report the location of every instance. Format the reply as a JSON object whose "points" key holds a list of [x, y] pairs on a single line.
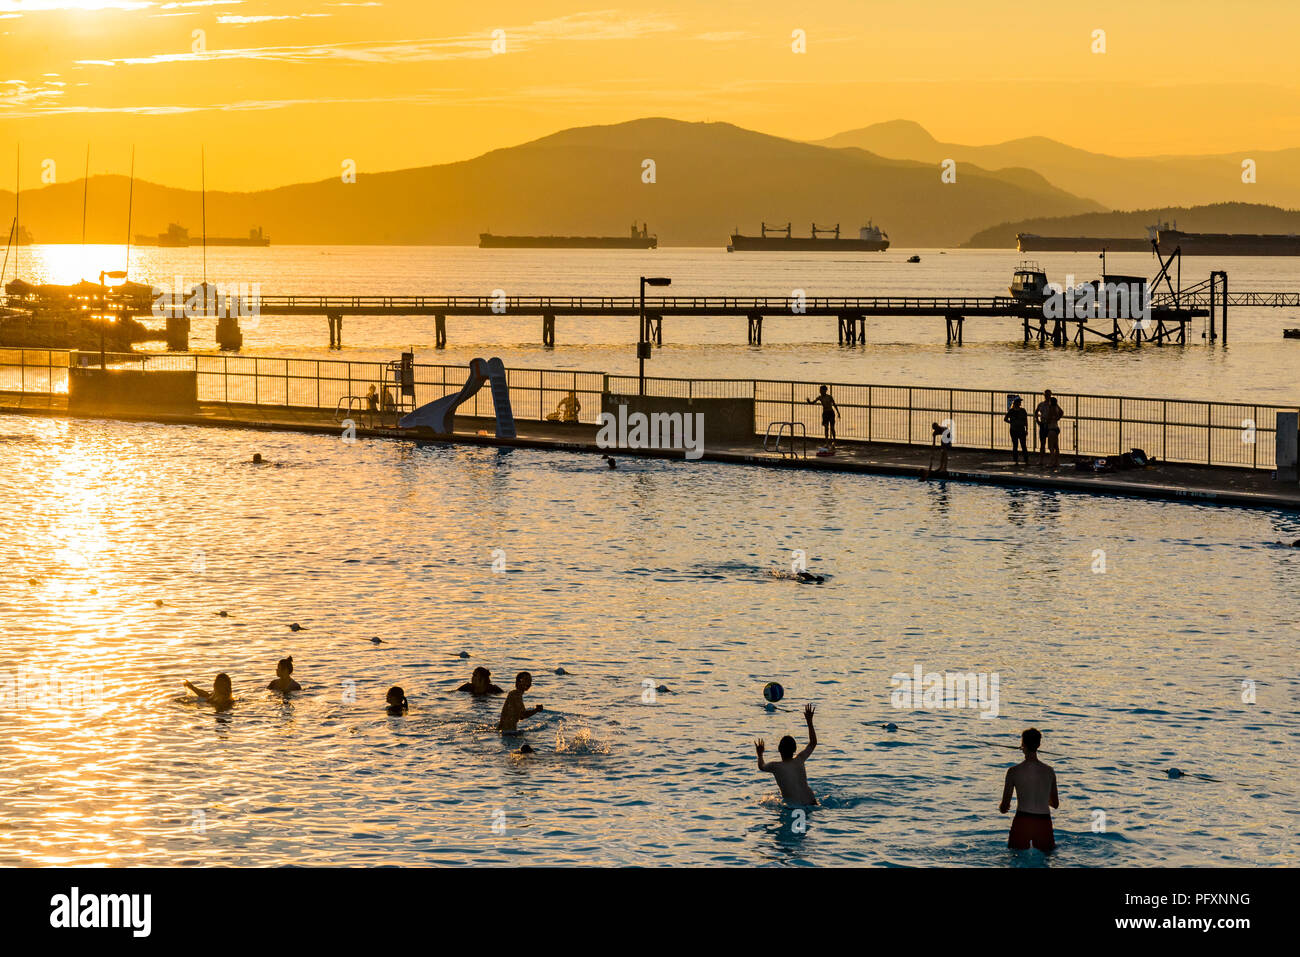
{"points": [[1212, 452]]}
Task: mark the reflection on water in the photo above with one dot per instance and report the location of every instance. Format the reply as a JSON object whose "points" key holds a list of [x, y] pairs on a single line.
{"points": [[126, 541]]}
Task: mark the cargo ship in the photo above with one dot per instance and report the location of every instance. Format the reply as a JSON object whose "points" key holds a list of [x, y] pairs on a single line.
{"points": [[1033, 243], [179, 236], [636, 239], [871, 239], [1229, 244]]}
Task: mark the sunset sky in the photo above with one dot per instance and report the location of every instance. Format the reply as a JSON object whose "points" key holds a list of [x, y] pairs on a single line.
{"points": [[285, 90]]}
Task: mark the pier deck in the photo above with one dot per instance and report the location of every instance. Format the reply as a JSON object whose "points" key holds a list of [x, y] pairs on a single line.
{"points": [[1209, 485]]}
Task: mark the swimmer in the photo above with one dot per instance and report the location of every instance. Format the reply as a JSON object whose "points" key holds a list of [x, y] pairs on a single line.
{"points": [[1035, 786], [514, 708], [284, 677], [480, 683], [789, 772], [221, 696], [397, 705]]}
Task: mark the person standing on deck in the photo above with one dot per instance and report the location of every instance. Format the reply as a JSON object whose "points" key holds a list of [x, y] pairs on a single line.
{"points": [[1041, 413], [1018, 419], [1034, 784], [829, 411]]}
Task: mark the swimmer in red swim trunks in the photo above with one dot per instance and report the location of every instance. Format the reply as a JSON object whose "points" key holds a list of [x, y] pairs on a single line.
{"points": [[1034, 784]]}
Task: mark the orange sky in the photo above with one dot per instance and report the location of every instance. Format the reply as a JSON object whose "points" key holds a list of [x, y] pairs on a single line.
{"points": [[284, 91]]}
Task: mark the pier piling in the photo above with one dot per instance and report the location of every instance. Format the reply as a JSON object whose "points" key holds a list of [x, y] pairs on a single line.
{"points": [[548, 330], [755, 328], [440, 332]]}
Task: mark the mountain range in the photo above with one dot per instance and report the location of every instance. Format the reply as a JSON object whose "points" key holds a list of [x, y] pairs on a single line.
{"points": [[709, 178]]}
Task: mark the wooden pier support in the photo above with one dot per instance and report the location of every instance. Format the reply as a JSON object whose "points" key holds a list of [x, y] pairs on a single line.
{"points": [[755, 328], [440, 332], [654, 328], [848, 326], [548, 330], [336, 331], [954, 324]]}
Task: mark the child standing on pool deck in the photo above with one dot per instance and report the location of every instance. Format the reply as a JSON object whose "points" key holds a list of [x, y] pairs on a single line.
{"points": [[514, 708], [1035, 786], [789, 772], [829, 410]]}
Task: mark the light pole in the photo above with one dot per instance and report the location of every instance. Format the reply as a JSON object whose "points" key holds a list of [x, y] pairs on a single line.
{"points": [[643, 342]]}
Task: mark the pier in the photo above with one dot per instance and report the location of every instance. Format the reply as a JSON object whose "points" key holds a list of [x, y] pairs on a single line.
{"points": [[1167, 323]]}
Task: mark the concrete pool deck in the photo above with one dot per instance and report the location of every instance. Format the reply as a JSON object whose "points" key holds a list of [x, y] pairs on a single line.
{"points": [[1249, 488]]}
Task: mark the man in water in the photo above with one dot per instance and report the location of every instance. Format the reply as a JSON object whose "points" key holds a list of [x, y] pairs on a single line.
{"points": [[829, 410], [514, 708], [480, 683], [1034, 784], [789, 772]]}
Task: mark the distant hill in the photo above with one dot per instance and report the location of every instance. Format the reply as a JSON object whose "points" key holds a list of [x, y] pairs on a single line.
{"points": [[711, 177], [1215, 218], [1118, 182]]}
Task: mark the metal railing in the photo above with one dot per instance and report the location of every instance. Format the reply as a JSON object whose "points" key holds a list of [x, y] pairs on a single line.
{"points": [[1174, 430]]}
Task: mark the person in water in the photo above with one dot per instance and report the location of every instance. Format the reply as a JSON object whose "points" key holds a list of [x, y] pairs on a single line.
{"points": [[1034, 784], [789, 772], [480, 683], [829, 411], [221, 696], [514, 708], [284, 677], [397, 705], [1018, 419]]}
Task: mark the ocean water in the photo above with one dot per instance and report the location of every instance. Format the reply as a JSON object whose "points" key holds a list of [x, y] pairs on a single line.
{"points": [[657, 574], [1257, 366]]}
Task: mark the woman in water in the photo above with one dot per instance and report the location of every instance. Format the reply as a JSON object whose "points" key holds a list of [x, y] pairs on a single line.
{"points": [[284, 677], [397, 705], [480, 683], [221, 696]]}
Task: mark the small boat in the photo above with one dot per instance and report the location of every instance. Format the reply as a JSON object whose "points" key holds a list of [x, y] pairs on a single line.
{"points": [[1291, 333], [914, 259], [1029, 283]]}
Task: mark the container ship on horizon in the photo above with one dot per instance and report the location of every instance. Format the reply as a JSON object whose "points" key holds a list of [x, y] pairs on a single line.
{"points": [[179, 236], [871, 239], [1167, 239], [636, 239]]}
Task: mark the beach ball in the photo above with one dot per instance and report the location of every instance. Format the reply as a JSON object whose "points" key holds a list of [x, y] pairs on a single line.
{"points": [[773, 692]]}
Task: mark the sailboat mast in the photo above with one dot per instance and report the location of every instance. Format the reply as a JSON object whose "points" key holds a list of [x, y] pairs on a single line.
{"points": [[18, 191], [130, 202], [203, 189], [85, 197]]}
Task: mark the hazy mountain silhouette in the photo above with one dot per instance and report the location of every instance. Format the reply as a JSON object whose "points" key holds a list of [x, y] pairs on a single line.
{"points": [[1119, 182], [1216, 218], [711, 177]]}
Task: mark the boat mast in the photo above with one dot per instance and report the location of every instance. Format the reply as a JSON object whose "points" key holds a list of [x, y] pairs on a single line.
{"points": [[85, 196], [18, 165], [203, 191], [130, 201]]}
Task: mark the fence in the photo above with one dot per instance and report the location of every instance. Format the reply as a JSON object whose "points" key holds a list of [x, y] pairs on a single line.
{"points": [[1173, 430]]}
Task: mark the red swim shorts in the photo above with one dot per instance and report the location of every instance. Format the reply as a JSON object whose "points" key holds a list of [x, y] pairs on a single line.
{"points": [[1035, 829]]}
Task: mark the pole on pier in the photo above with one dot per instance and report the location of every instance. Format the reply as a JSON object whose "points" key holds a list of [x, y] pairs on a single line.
{"points": [[548, 330], [440, 332]]}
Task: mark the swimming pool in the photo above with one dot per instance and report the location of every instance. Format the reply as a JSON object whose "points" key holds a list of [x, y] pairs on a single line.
{"points": [[659, 574]]}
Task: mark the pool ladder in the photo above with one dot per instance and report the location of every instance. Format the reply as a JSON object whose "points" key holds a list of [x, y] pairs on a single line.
{"points": [[786, 429]]}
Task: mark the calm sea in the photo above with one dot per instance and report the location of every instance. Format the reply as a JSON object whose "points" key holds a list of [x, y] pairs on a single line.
{"points": [[1257, 366], [1138, 636]]}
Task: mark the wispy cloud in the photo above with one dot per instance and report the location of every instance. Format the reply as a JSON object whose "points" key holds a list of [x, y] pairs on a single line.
{"points": [[597, 25]]}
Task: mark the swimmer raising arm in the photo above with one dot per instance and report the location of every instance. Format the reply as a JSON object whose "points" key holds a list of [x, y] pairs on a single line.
{"points": [[791, 778], [222, 694]]}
